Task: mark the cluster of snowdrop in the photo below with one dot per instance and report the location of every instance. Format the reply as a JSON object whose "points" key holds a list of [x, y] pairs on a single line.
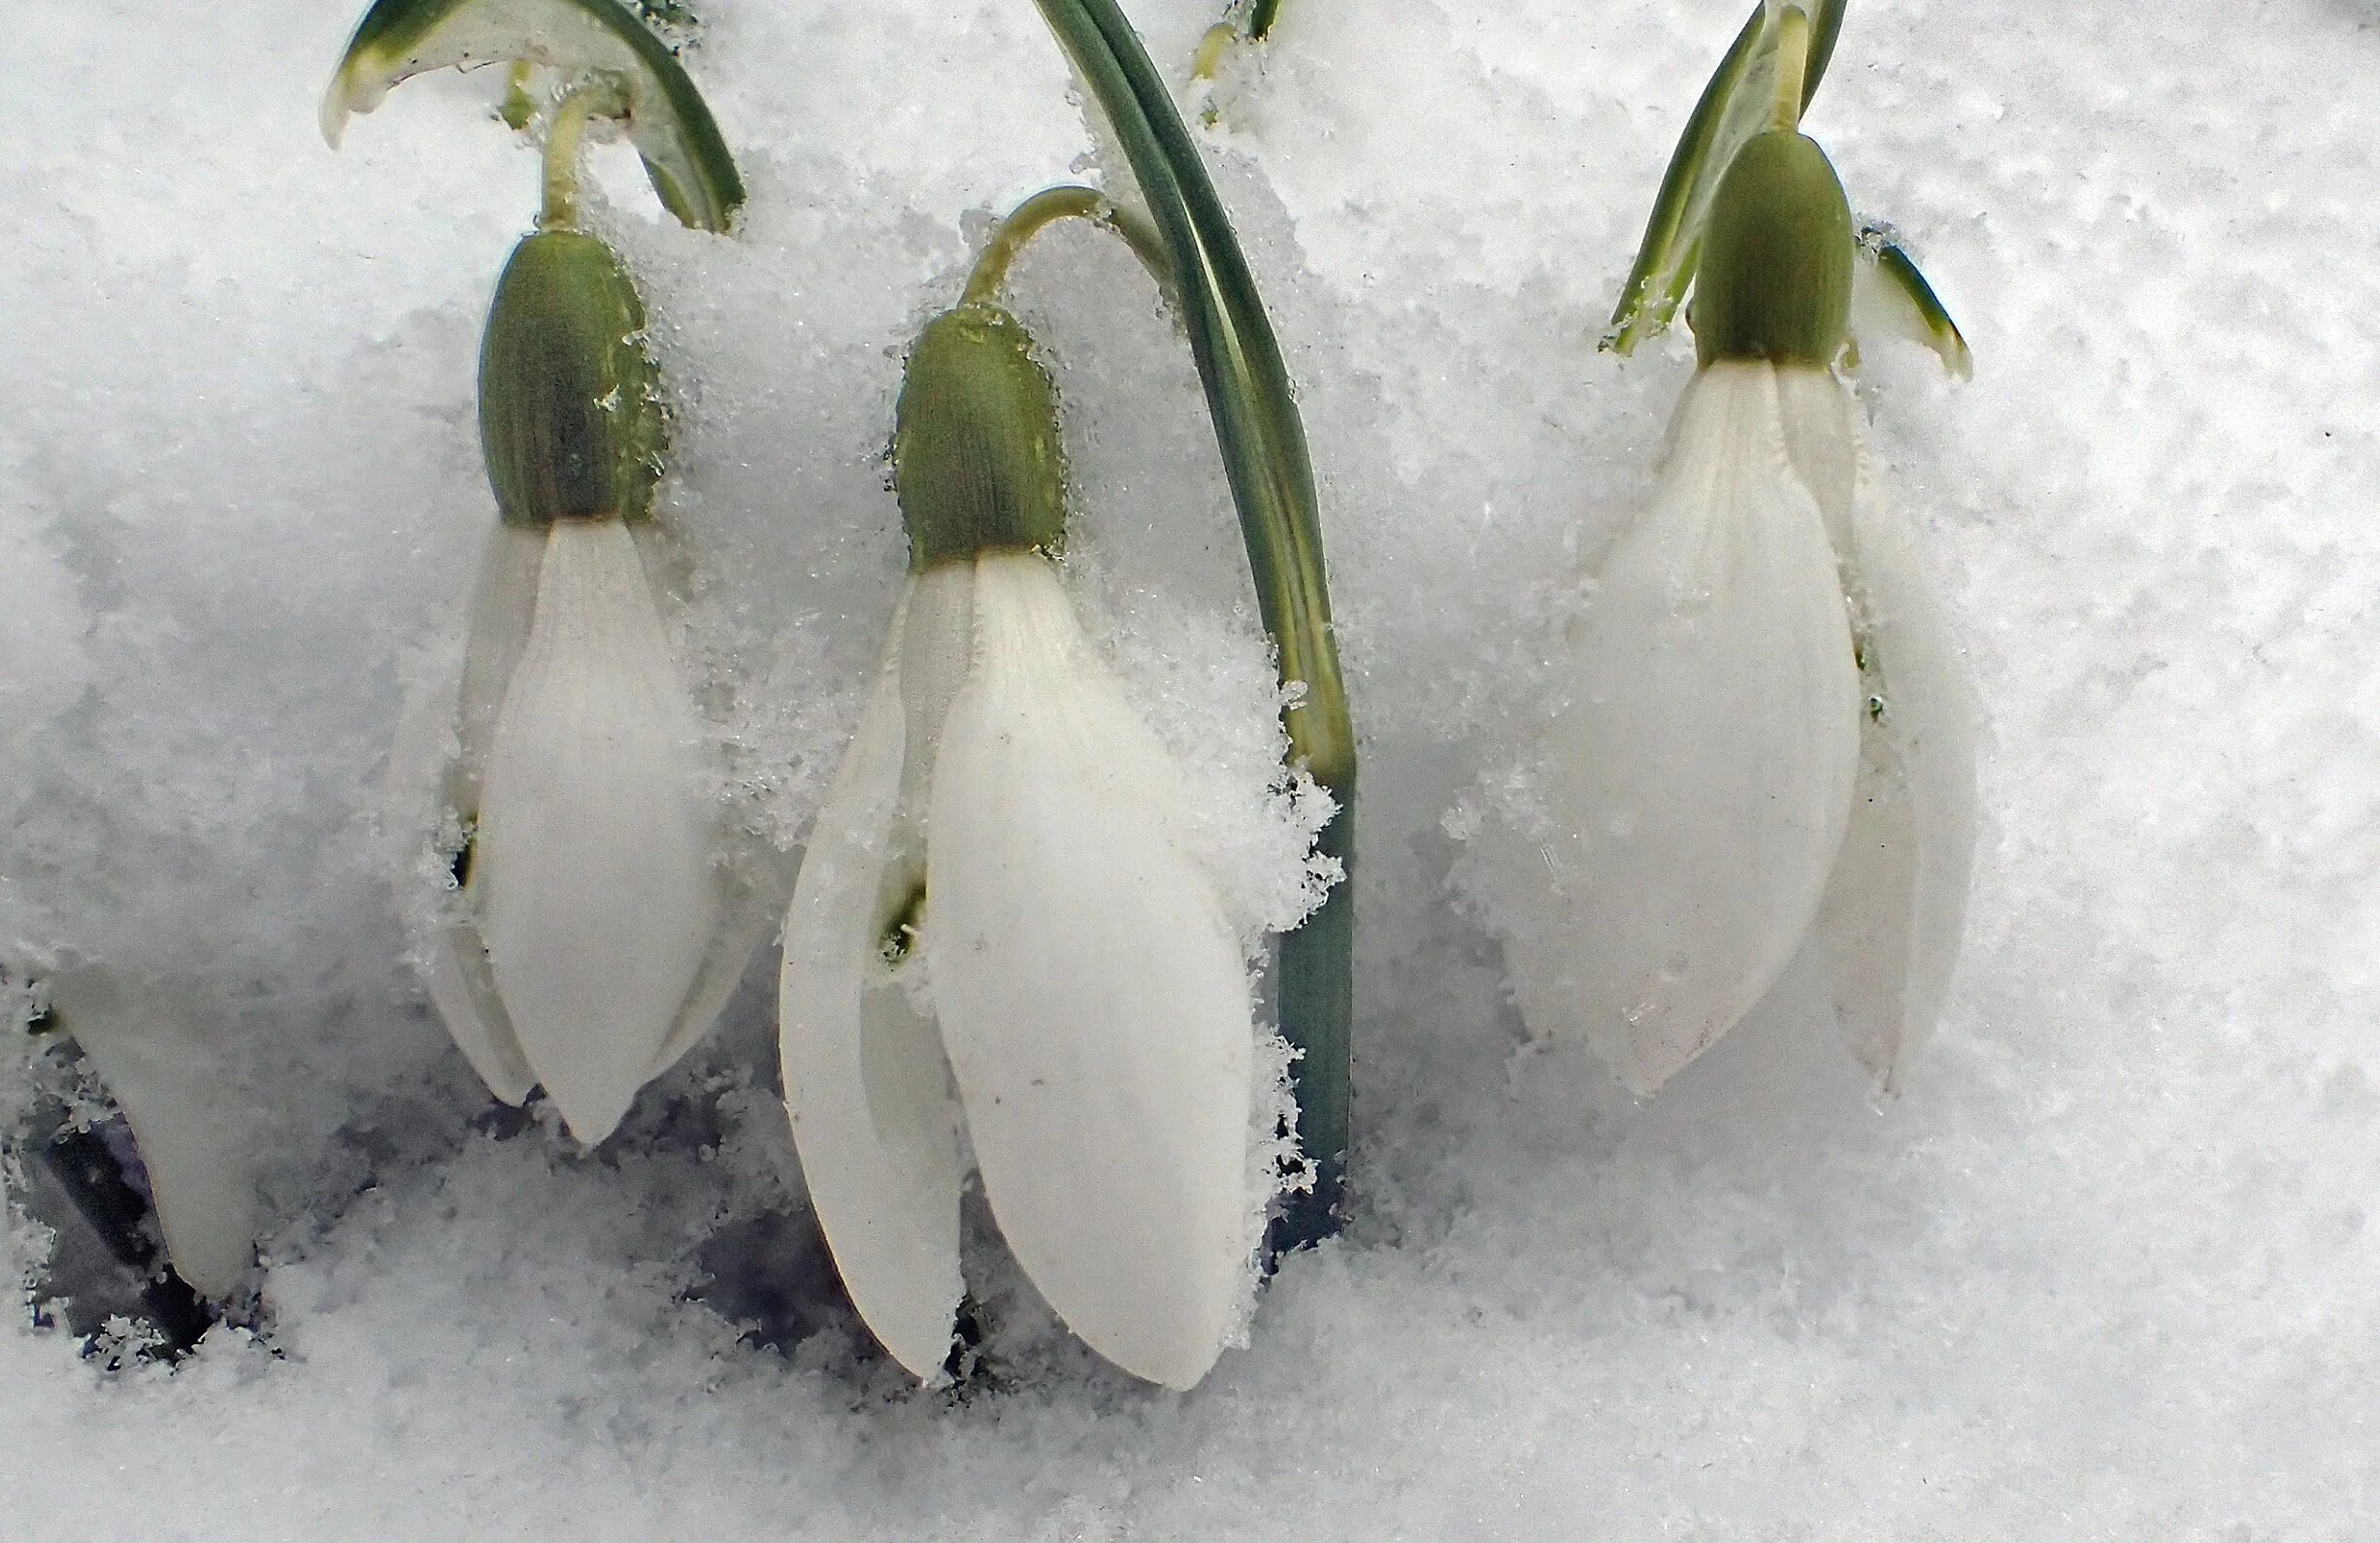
{"points": [[1001, 948]]}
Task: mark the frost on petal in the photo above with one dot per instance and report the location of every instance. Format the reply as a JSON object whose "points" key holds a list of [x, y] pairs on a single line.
{"points": [[1702, 775], [1091, 991], [865, 1081], [1897, 907], [593, 855], [169, 1086]]}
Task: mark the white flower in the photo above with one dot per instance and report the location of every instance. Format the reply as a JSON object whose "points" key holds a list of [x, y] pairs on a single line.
{"points": [[589, 952], [1000, 884], [1771, 739]]}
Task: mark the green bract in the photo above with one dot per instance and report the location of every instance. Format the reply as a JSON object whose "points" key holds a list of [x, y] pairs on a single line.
{"points": [[1903, 301], [1767, 77], [683, 151], [1733, 107], [977, 463], [570, 408], [1774, 280]]}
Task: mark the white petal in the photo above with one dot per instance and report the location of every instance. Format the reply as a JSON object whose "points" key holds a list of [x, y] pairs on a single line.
{"points": [[598, 900], [502, 607], [748, 909], [442, 735], [753, 881], [1896, 906], [164, 1079], [464, 989], [1821, 440], [1091, 991], [1703, 775], [865, 1081]]}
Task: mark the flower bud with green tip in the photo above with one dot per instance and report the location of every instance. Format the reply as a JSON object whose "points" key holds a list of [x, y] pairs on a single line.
{"points": [[1000, 926], [1770, 740], [591, 929], [594, 934]]}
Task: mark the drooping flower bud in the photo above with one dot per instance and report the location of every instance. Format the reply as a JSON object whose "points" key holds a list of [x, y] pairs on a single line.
{"points": [[976, 460], [570, 406], [1775, 277]]}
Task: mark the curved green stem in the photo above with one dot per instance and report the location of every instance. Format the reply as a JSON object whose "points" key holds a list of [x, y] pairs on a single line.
{"points": [[565, 131], [1263, 442], [665, 116], [1068, 201]]}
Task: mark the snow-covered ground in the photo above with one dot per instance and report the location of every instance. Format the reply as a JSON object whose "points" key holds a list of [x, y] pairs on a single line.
{"points": [[2105, 1269]]}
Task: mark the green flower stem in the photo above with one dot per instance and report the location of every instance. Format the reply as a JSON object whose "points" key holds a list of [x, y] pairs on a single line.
{"points": [[565, 131], [1068, 201], [684, 155], [1793, 52], [1265, 455]]}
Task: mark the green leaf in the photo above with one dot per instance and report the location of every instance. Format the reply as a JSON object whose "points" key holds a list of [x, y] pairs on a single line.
{"points": [[1263, 442], [1892, 295], [1732, 108], [673, 129]]}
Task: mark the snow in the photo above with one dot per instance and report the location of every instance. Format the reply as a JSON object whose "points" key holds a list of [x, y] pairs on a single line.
{"points": [[2105, 1269]]}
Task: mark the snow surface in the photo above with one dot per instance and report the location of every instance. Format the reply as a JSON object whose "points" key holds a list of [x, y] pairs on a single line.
{"points": [[2106, 1269]]}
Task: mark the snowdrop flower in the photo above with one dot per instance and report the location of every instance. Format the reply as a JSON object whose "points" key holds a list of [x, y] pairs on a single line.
{"points": [[999, 942], [589, 946], [595, 931], [1770, 737]]}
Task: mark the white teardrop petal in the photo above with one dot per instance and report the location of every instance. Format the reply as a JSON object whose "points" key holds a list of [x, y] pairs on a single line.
{"points": [[442, 735], [865, 1081], [464, 990], [163, 1078], [1091, 991], [598, 900], [1703, 773], [1897, 907]]}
